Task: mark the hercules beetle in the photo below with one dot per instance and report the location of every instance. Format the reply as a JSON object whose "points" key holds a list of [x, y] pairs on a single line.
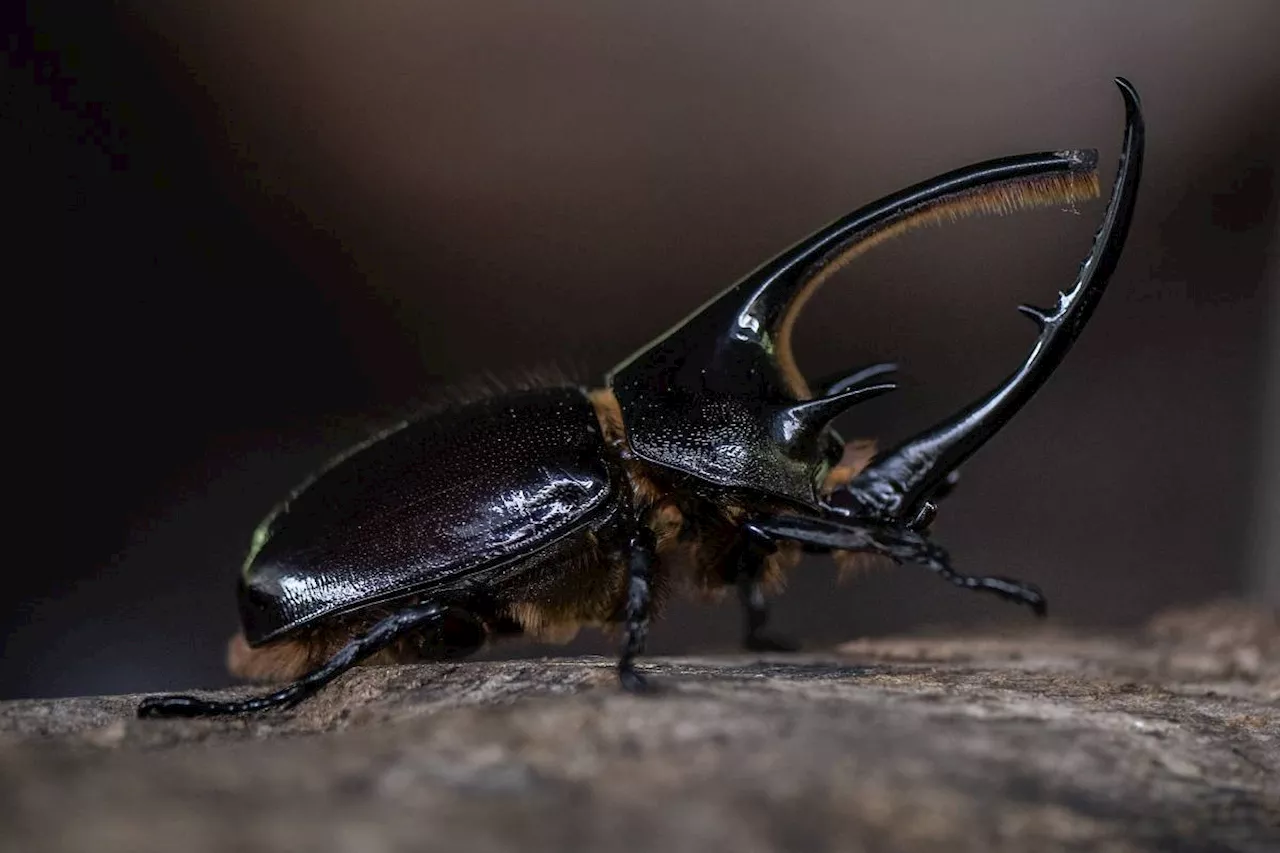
{"points": [[705, 461]]}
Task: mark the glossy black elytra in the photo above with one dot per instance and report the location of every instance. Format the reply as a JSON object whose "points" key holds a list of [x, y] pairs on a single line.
{"points": [[705, 461]]}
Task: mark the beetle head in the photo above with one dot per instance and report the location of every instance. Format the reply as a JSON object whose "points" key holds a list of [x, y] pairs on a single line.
{"points": [[720, 398]]}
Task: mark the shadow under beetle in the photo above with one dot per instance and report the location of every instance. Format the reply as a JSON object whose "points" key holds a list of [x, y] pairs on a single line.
{"points": [[705, 461]]}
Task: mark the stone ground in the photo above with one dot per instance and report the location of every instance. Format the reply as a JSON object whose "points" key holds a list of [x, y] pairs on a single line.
{"points": [[1165, 741]]}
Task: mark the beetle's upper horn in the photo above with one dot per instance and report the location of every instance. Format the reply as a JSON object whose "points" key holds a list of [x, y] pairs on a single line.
{"points": [[726, 378], [777, 291], [754, 316]]}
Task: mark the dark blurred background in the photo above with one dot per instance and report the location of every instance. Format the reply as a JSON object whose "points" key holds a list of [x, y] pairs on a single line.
{"points": [[266, 228]]}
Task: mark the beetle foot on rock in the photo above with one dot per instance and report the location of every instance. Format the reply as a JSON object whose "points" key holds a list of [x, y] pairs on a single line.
{"points": [[634, 682], [770, 643]]}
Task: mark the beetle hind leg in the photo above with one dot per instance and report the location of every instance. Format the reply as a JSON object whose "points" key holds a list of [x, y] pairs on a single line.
{"points": [[901, 544], [381, 635]]}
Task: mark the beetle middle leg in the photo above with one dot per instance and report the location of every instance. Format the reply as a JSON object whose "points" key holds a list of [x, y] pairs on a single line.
{"points": [[381, 635], [753, 552], [901, 544]]}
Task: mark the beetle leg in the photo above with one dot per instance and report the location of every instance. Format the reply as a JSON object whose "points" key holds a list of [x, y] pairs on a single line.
{"points": [[755, 549], [641, 554], [900, 544], [381, 635]]}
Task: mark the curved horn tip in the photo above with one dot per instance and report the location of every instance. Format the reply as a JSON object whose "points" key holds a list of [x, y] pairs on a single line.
{"points": [[1130, 93]]}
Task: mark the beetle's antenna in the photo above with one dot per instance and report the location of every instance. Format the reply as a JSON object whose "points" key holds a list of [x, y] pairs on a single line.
{"points": [[897, 483], [381, 635]]}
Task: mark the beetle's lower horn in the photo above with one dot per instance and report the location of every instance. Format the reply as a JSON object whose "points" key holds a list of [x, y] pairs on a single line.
{"points": [[897, 483]]}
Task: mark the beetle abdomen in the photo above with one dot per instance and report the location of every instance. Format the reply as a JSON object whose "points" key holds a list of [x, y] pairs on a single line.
{"points": [[427, 505]]}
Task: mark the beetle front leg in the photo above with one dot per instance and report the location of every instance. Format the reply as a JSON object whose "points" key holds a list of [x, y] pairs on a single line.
{"points": [[901, 544], [641, 555]]}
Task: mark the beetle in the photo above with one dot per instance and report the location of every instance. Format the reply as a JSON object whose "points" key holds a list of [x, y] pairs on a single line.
{"points": [[705, 460]]}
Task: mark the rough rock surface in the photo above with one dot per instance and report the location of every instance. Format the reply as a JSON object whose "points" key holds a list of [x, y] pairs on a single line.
{"points": [[1040, 742]]}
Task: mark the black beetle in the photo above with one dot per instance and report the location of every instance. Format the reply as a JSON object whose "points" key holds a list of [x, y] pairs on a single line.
{"points": [[705, 460]]}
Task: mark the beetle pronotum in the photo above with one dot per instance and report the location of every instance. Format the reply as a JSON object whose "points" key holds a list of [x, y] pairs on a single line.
{"points": [[704, 460]]}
